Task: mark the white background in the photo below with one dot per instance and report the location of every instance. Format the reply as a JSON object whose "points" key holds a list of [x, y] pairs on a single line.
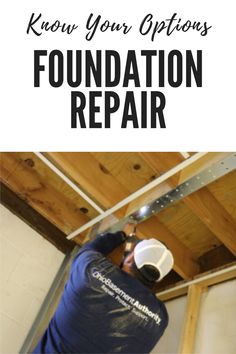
{"points": [[39, 118]]}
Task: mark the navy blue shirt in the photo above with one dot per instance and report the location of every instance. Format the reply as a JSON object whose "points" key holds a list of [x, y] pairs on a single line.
{"points": [[103, 309]]}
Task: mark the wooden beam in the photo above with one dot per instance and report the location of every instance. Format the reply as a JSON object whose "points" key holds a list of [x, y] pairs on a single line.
{"points": [[206, 279], [32, 181], [162, 161], [184, 262], [95, 179], [68, 181], [205, 162], [128, 168], [190, 321], [215, 216], [35, 220]]}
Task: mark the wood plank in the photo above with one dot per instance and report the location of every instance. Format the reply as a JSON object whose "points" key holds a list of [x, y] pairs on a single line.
{"points": [[185, 263], [224, 190], [205, 162], [162, 161], [191, 316], [219, 278], [210, 278], [35, 220], [172, 293], [188, 228], [214, 215], [41, 192], [91, 176], [127, 167], [47, 174]]}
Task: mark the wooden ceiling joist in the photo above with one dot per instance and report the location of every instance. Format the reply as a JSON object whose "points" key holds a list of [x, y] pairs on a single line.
{"points": [[214, 215], [68, 181], [93, 177], [27, 176]]}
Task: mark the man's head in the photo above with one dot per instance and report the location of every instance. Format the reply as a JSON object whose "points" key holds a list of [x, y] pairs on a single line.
{"points": [[149, 260]]}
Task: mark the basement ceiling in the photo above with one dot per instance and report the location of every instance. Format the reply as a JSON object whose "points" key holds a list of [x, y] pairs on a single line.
{"points": [[200, 229]]}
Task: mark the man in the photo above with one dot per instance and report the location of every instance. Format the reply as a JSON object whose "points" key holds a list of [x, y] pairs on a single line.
{"points": [[110, 309]]}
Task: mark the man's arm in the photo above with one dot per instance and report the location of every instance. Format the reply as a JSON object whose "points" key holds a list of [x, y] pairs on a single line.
{"points": [[105, 244], [109, 244]]}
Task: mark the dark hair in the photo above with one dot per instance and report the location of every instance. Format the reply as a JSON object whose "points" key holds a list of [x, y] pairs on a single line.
{"points": [[148, 275]]}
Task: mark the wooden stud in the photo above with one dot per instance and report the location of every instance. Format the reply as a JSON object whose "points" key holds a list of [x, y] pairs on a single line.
{"points": [[190, 321]]}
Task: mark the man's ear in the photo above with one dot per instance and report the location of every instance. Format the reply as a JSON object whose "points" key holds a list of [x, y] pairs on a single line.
{"points": [[116, 256]]}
